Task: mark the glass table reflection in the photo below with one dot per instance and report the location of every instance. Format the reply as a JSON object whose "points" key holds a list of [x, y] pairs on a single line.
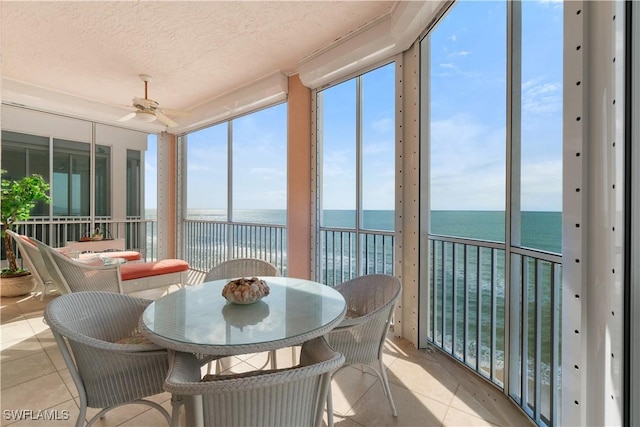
{"points": [[198, 319]]}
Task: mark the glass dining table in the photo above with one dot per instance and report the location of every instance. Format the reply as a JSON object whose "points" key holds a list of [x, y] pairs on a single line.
{"points": [[198, 319]]}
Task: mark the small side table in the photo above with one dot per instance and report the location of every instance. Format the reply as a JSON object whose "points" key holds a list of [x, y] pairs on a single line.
{"points": [[112, 261], [96, 245]]}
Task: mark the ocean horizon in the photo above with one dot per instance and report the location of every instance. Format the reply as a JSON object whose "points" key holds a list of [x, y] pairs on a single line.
{"points": [[540, 230]]}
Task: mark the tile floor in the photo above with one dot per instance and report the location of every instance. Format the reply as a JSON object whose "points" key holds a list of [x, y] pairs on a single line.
{"points": [[428, 388]]}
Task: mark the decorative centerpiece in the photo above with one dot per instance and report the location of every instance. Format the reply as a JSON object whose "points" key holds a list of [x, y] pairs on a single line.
{"points": [[245, 291]]}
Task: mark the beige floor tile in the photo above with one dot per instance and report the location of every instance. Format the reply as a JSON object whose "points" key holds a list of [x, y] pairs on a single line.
{"points": [[10, 313], [62, 415], [475, 402], [161, 398], [15, 350], [149, 418], [424, 376], [118, 415], [46, 339], [37, 324], [40, 393], [341, 421], [68, 381], [348, 386], [413, 409], [32, 306], [457, 418], [56, 358], [29, 367], [239, 368], [258, 360], [18, 330]]}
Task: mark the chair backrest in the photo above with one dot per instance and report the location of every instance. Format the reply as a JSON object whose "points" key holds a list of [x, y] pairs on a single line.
{"points": [[78, 276], [370, 302], [282, 397], [31, 256], [241, 267], [109, 373]]}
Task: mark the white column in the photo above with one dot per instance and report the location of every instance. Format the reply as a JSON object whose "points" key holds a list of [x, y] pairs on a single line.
{"points": [[592, 330]]}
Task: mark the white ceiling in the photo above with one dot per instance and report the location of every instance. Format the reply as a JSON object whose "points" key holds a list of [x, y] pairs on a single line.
{"points": [[90, 53]]}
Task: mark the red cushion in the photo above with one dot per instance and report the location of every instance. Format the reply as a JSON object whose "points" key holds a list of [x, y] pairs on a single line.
{"points": [[137, 270]]}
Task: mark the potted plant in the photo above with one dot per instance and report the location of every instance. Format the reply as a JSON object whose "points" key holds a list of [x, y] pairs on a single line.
{"points": [[18, 199]]}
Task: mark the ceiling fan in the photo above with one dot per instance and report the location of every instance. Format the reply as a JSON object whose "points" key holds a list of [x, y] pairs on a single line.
{"points": [[148, 110]]}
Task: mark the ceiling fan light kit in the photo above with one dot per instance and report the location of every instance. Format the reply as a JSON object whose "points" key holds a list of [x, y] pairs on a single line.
{"points": [[145, 116]]}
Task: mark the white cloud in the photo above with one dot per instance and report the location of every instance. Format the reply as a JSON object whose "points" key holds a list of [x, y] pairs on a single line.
{"points": [[379, 148], [383, 125], [467, 165], [338, 163], [267, 174], [542, 186], [539, 97], [150, 168]]}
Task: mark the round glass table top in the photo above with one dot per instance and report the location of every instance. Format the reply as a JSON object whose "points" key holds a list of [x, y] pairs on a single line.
{"points": [[199, 319]]}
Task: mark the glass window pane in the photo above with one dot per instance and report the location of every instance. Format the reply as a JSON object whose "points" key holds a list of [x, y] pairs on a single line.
{"points": [[134, 187], [24, 155], [468, 121], [541, 129], [103, 181], [207, 173], [260, 166], [71, 187], [378, 148], [151, 178], [337, 133]]}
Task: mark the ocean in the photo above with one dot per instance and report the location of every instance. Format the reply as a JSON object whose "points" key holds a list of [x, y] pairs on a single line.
{"points": [[539, 230]]}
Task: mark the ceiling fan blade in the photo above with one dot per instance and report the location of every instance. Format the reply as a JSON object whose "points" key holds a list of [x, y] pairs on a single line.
{"points": [[176, 113], [127, 117], [166, 120]]}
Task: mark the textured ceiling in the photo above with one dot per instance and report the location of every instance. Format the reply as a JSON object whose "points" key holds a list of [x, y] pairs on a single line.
{"points": [[194, 50]]}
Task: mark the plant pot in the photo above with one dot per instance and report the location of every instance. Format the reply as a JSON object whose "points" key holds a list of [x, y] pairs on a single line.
{"points": [[16, 286]]}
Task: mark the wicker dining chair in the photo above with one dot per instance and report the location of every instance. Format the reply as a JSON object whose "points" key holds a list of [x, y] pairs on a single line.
{"points": [[76, 276], [371, 300], [243, 267], [45, 277], [90, 328], [282, 397]]}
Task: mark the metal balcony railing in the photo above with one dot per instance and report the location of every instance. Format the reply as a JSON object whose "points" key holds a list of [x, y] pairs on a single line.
{"points": [[139, 234], [347, 253], [207, 243], [504, 334]]}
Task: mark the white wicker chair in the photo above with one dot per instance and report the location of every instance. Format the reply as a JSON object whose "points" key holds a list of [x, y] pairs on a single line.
{"points": [[361, 335], [243, 267], [86, 326], [44, 276], [284, 397], [81, 276]]}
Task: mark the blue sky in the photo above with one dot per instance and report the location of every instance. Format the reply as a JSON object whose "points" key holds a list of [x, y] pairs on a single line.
{"points": [[468, 107], [468, 126]]}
